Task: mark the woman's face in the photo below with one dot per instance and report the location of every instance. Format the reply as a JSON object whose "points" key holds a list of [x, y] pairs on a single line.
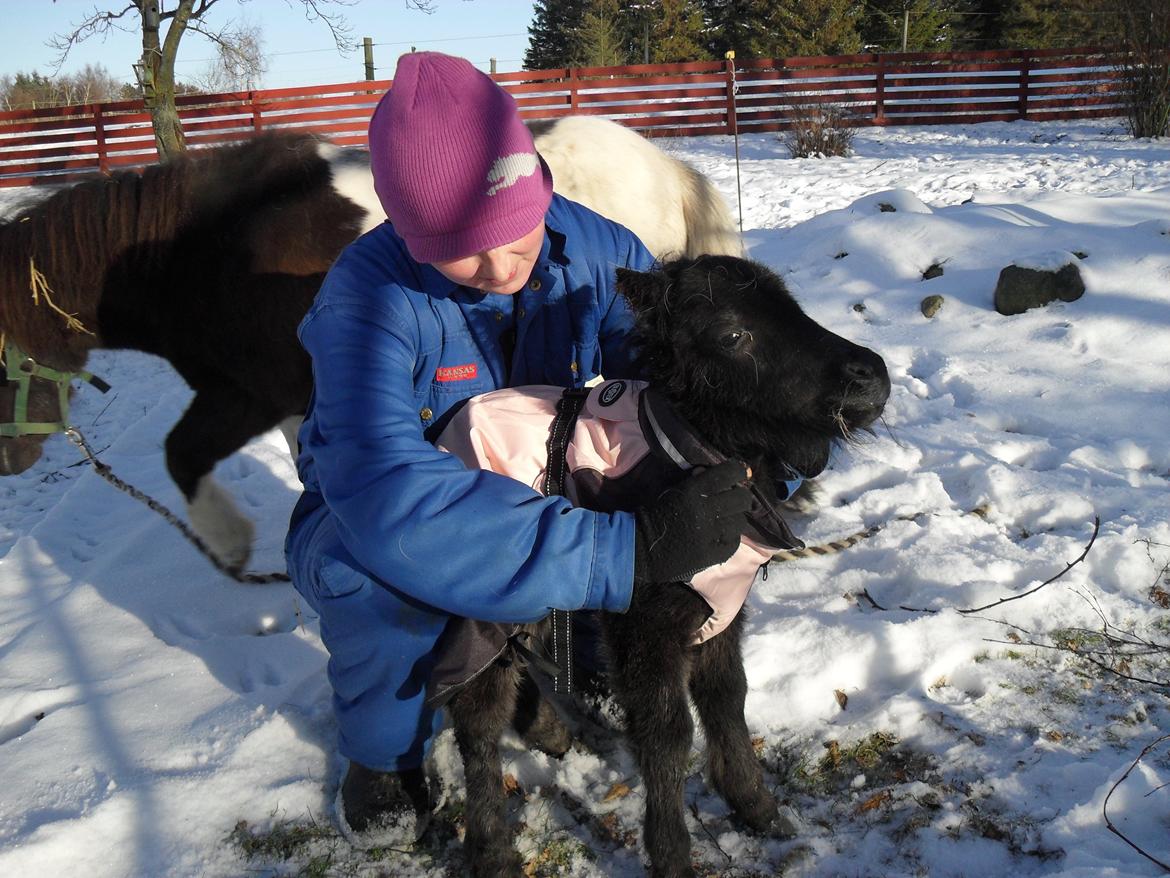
{"points": [[503, 269]]}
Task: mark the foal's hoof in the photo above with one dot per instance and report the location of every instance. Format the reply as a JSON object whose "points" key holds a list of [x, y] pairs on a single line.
{"points": [[786, 825], [496, 864], [682, 870], [764, 817], [553, 738]]}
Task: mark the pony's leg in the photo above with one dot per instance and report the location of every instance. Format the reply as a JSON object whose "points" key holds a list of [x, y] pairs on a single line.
{"points": [[479, 714], [719, 688], [537, 722], [218, 422], [648, 662], [290, 426]]}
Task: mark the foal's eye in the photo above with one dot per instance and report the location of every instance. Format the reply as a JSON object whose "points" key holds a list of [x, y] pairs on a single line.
{"points": [[729, 341]]}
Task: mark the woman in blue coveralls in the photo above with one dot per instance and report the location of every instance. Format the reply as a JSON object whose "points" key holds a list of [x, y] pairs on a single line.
{"points": [[481, 279]]}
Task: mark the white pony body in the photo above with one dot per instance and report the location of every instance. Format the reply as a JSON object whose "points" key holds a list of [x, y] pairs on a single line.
{"points": [[673, 208]]}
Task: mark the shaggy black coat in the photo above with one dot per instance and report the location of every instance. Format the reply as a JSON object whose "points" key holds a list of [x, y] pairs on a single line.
{"points": [[764, 383]]}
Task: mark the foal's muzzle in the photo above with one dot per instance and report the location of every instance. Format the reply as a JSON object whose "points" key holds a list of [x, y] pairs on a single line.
{"points": [[865, 388]]}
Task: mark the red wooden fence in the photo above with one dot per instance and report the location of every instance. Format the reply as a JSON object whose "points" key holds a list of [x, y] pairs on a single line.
{"points": [[703, 97]]}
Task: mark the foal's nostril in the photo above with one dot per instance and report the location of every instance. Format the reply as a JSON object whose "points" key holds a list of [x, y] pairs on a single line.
{"points": [[858, 371]]}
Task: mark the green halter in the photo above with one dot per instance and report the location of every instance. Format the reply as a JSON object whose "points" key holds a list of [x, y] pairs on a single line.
{"points": [[21, 369]]}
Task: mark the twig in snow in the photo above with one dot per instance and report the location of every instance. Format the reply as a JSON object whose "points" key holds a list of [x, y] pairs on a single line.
{"points": [[1105, 805], [1068, 567], [969, 610], [710, 834]]}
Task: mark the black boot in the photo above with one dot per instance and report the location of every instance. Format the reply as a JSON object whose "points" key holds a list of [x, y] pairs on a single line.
{"points": [[383, 808]]}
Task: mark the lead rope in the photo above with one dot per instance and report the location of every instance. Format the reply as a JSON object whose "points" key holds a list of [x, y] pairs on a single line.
{"points": [[106, 473], [829, 548]]}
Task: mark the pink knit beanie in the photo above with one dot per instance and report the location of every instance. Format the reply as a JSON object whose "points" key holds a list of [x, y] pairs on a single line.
{"points": [[454, 167]]}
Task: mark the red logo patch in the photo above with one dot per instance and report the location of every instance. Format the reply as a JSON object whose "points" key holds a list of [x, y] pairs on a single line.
{"points": [[457, 373]]}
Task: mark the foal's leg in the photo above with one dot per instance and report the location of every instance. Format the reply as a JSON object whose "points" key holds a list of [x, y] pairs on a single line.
{"points": [[219, 421], [479, 714], [719, 687], [649, 656]]}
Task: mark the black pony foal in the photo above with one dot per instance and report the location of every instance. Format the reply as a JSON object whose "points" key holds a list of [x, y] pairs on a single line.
{"points": [[762, 382]]}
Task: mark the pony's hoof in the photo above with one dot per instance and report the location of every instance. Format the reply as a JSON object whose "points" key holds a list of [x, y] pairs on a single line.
{"points": [[220, 524]]}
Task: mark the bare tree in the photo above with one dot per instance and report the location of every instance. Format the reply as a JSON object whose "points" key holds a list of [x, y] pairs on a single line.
{"points": [[1145, 69], [156, 68], [240, 62]]}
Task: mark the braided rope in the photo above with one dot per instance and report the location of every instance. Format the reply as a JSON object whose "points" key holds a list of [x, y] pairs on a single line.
{"points": [[106, 473], [830, 548]]}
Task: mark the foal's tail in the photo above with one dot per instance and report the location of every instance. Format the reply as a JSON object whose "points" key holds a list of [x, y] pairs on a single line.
{"points": [[710, 227]]}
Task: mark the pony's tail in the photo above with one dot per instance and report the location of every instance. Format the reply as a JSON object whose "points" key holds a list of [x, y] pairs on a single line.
{"points": [[710, 227]]}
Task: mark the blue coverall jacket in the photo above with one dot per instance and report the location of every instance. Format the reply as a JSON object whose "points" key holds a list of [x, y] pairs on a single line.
{"points": [[392, 537]]}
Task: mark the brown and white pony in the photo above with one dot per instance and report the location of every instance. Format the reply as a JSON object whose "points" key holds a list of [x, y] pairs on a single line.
{"points": [[211, 261]]}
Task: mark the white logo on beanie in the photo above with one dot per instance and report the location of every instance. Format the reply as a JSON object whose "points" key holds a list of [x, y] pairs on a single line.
{"points": [[506, 170]]}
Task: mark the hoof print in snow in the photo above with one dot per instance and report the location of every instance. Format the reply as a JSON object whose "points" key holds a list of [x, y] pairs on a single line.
{"points": [[930, 305], [1020, 289], [935, 270]]}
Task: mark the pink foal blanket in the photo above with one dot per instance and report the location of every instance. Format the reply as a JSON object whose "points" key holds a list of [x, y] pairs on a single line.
{"points": [[627, 446]]}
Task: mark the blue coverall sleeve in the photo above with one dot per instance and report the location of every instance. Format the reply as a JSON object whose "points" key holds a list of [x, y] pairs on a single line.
{"points": [[469, 542]]}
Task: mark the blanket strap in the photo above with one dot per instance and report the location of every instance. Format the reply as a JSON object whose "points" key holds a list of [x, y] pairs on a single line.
{"points": [[555, 478]]}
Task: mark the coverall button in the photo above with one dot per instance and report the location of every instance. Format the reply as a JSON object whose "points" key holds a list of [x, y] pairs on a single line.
{"points": [[534, 284], [426, 414], [520, 313], [499, 316], [573, 366]]}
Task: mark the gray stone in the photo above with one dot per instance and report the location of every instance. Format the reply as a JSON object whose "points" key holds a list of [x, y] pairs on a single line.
{"points": [[1020, 289], [930, 305]]}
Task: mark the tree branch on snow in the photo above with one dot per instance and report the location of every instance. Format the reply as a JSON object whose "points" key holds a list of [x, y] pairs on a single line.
{"points": [[969, 610], [1105, 805], [1068, 567]]}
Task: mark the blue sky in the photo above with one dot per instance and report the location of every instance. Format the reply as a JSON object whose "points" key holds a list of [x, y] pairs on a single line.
{"points": [[300, 52]]}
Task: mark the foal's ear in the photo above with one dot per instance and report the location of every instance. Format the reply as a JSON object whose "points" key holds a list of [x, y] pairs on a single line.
{"points": [[643, 289]]}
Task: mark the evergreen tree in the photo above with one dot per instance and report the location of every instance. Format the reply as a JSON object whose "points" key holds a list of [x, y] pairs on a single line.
{"points": [[1042, 24], [931, 25], [677, 34], [601, 38], [552, 36], [804, 27], [1038, 24], [978, 25], [730, 26]]}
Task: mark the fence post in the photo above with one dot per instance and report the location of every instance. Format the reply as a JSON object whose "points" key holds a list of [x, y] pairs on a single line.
{"points": [[1025, 70], [368, 47], [879, 105], [257, 116], [99, 135], [732, 113], [573, 89]]}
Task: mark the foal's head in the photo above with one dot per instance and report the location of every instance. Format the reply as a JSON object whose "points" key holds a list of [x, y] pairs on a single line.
{"points": [[757, 376]]}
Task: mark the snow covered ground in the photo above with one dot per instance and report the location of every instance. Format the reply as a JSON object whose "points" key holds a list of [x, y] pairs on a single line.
{"points": [[158, 719]]}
